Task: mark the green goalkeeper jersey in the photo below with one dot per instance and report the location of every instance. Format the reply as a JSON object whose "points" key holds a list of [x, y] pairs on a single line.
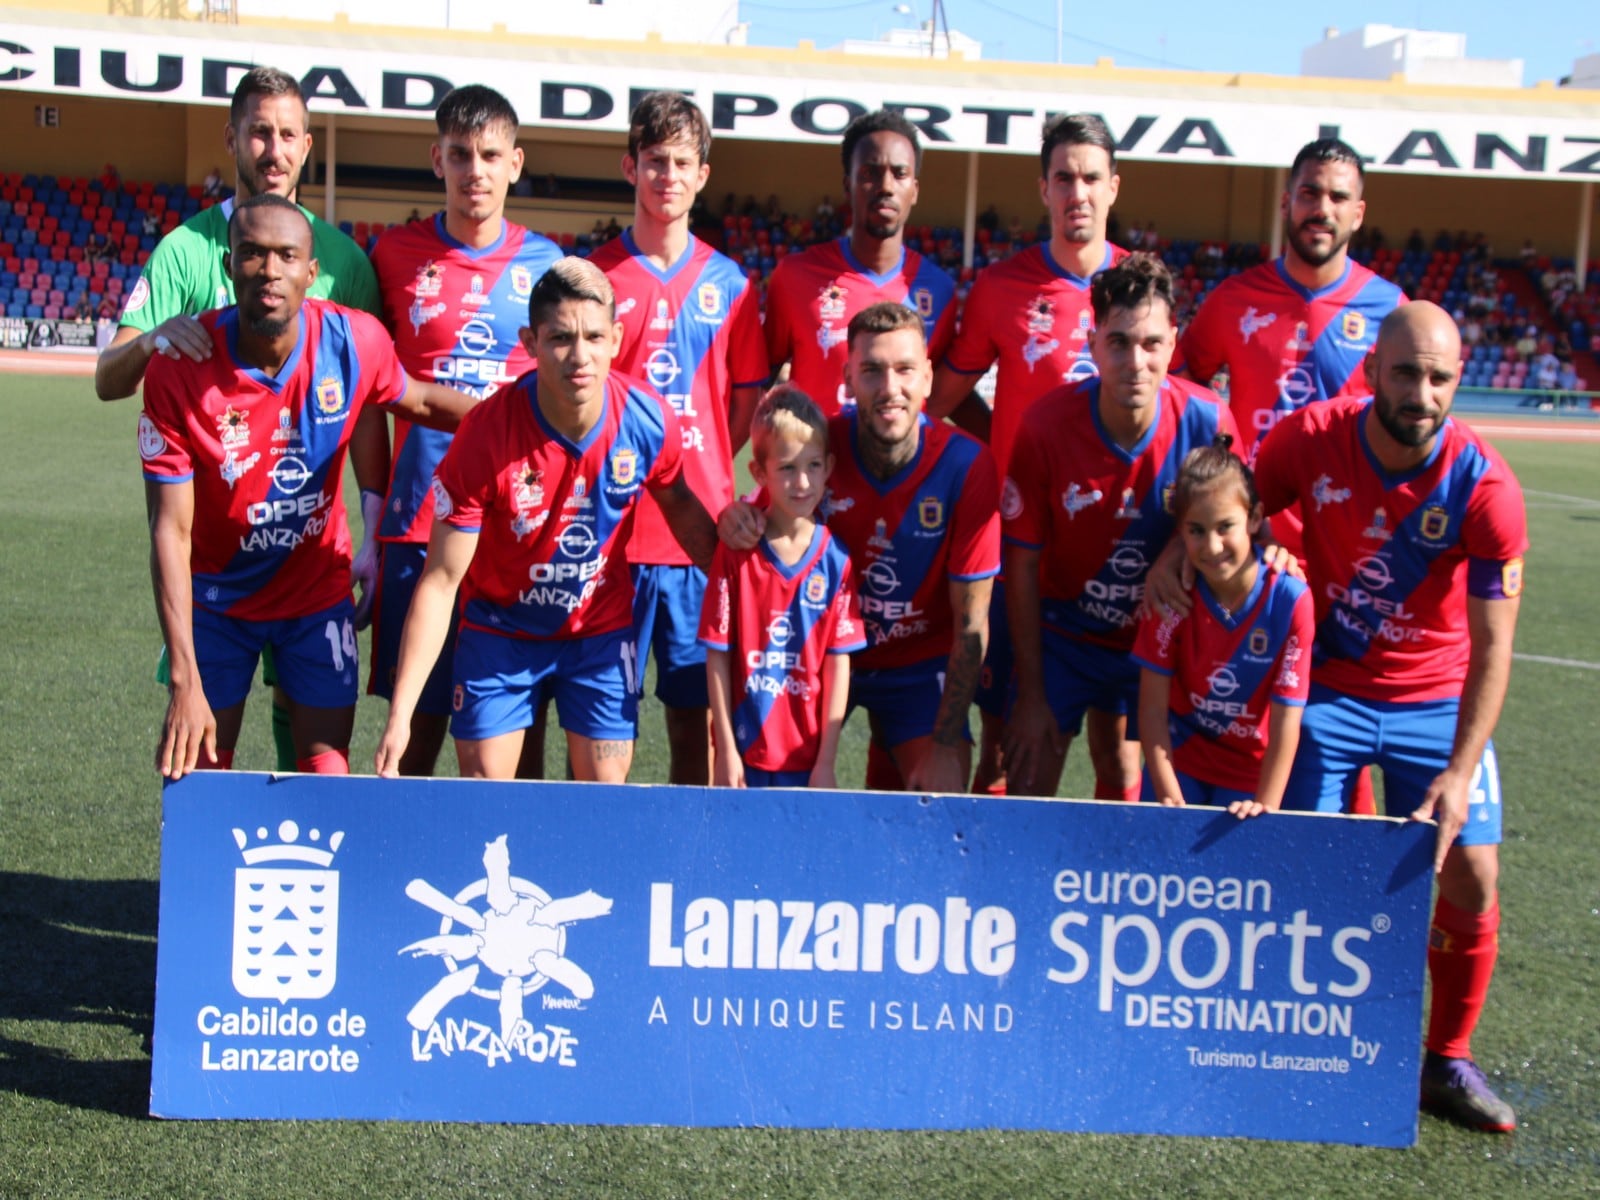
{"points": [[184, 273]]}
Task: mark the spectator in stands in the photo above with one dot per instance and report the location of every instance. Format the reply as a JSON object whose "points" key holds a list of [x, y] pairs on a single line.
{"points": [[1547, 371], [151, 225], [1152, 239], [83, 310], [989, 220], [212, 184], [1415, 244], [110, 178], [1472, 330], [825, 209], [1528, 343], [1529, 252]]}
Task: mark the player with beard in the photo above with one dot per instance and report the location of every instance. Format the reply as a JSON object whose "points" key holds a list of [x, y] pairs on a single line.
{"points": [[1031, 314], [268, 137], [914, 502], [1414, 555], [243, 456], [813, 294]]}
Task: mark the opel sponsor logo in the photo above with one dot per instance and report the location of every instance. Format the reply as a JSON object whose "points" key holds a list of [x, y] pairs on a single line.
{"points": [[1374, 573], [881, 579], [577, 541], [661, 368], [290, 474], [1222, 682], [780, 630], [476, 338], [1127, 562]]}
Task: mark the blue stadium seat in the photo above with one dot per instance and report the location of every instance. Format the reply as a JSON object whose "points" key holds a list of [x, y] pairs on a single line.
{"points": [[34, 312]]}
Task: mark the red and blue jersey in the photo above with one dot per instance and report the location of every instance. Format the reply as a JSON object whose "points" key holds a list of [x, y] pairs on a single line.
{"points": [[454, 312], [1098, 514], [777, 624], [936, 521], [812, 296], [266, 456], [1227, 670], [692, 332], [1392, 558], [1032, 315], [552, 515]]}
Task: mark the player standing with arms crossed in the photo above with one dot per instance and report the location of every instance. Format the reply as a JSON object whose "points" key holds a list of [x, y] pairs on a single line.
{"points": [[779, 620], [532, 505], [1414, 544], [1084, 511], [1031, 314], [455, 292], [243, 458], [691, 326], [268, 137]]}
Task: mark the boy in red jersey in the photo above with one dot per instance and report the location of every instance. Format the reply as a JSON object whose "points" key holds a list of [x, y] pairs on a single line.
{"points": [[1414, 543], [533, 502], [455, 291], [1031, 314], [1084, 511], [779, 621], [691, 326], [243, 458]]}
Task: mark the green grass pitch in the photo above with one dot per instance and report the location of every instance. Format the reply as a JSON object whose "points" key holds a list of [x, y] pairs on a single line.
{"points": [[79, 831]]}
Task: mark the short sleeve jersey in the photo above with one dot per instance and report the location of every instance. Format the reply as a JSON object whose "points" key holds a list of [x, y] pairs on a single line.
{"points": [[266, 456], [1227, 670], [1098, 514], [184, 274], [910, 536], [1391, 559], [693, 332], [454, 312], [552, 515], [778, 624], [1032, 316], [813, 295]]}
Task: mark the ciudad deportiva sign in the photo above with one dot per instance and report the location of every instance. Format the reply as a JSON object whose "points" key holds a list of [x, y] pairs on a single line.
{"points": [[472, 951]]}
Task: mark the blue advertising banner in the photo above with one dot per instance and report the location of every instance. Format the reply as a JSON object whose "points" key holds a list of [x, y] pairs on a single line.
{"points": [[471, 951]]}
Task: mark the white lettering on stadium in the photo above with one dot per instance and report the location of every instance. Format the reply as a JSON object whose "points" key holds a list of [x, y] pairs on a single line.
{"points": [[835, 935]]}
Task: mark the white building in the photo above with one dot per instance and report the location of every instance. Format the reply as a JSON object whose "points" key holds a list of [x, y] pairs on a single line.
{"points": [[915, 43], [705, 22], [1585, 73], [1414, 55]]}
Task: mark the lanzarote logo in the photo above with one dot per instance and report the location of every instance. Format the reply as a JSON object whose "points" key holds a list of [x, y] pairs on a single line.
{"points": [[286, 915], [502, 939]]}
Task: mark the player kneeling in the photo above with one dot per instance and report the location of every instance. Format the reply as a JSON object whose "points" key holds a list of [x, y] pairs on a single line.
{"points": [[532, 503], [1222, 687]]}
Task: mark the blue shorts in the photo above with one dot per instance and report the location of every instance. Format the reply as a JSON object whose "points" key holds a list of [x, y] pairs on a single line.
{"points": [[501, 683], [399, 567], [994, 685], [755, 777], [903, 700], [1199, 792], [666, 622], [1410, 741], [316, 656], [1080, 675]]}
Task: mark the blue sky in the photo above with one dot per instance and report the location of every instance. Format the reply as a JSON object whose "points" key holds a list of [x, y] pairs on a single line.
{"points": [[1184, 34]]}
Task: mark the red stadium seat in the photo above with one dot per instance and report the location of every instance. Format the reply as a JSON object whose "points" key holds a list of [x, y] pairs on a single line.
{"points": [[102, 269], [52, 312], [81, 265]]}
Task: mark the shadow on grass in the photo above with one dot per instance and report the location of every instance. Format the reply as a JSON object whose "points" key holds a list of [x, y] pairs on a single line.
{"points": [[79, 953]]}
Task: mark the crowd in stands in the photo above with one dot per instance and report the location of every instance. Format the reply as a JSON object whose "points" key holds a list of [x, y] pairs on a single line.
{"points": [[72, 248]]}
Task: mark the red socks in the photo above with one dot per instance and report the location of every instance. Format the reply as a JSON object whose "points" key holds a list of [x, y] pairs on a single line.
{"points": [[1363, 802], [1115, 791], [882, 774], [329, 762], [1462, 948], [222, 762]]}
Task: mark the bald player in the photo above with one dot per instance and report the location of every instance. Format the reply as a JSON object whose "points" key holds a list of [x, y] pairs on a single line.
{"points": [[1414, 540]]}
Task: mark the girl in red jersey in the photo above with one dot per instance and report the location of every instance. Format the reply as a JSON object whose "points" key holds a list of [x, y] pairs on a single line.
{"points": [[1222, 687]]}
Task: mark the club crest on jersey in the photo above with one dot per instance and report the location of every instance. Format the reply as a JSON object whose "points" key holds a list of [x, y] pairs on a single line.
{"points": [[521, 282], [442, 505], [330, 396], [1128, 509], [1511, 578], [1010, 500], [709, 297], [137, 298], [1258, 641], [624, 465], [1075, 500], [816, 587], [1253, 323], [1354, 327], [430, 281], [922, 301], [1435, 520], [1324, 493], [930, 512], [830, 305], [232, 427], [1041, 314], [151, 443]]}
